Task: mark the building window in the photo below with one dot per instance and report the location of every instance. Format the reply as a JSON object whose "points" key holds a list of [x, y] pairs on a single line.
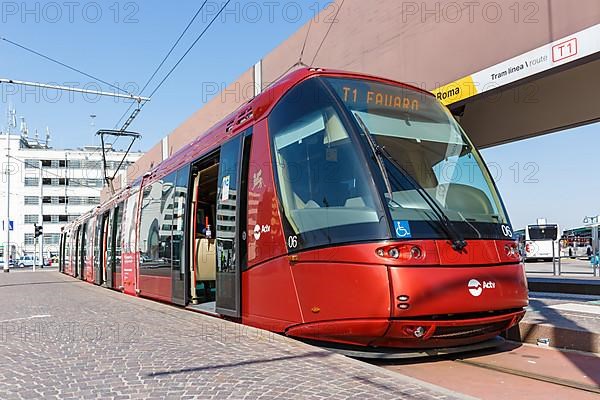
{"points": [[54, 200], [92, 201], [94, 182], [55, 219], [31, 219], [32, 200], [54, 181], [75, 201], [74, 164], [30, 181], [89, 164], [32, 164], [51, 239], [54, 163], [28, 239]]}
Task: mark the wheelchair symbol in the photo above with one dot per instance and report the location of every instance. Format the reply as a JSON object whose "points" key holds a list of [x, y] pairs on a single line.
{"points": [[402, 229], [402, 232]]}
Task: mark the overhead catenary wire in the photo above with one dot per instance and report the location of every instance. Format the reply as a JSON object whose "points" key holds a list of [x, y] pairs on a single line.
{"points": [[189, 48], [327, 33], [164, 60], [305, 41], [125, 93], [186, 53], [300, 63], [65, 65], [141, 105]]}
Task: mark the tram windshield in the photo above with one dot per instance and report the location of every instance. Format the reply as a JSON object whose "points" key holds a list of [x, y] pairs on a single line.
{"points": [[424, 149], [404, 156]]}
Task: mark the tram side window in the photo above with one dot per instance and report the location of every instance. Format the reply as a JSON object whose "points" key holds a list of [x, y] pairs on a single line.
{"points": [[61, 251], [155, 227], [89, 249], [179, 203], [129, 224], [97, 244], [118, 217], [67, 249], [77, 249], [82, 247], [322, 183]]}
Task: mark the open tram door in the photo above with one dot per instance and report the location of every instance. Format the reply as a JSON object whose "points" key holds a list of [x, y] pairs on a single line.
{"points": [[231, 223], [203, 267], [218, 246]]}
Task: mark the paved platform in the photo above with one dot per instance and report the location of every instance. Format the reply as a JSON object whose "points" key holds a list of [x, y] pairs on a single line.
{"points": [[62, 338], [568, 321]]}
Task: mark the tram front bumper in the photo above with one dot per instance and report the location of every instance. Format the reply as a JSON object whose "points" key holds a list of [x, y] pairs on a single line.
{"points": [[413, 333]]}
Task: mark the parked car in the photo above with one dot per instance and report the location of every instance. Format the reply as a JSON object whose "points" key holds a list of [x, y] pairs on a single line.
{"points": [[27, 261]]}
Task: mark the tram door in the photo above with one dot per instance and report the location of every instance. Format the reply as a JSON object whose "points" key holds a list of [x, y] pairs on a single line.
{"points": [[75, 262], [231, 210], [107, 237], [83, 251]]}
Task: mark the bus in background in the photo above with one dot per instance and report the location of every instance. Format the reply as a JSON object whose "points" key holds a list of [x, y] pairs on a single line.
{"points": [[539, 241], [579, 242]]}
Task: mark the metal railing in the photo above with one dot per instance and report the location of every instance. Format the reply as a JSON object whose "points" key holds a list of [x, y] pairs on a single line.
{"points": [[558, 268]]}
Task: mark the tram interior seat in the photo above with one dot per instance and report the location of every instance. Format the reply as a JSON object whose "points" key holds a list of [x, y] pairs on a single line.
{"points": [[459, 198], [311, 216], [206, 260]]}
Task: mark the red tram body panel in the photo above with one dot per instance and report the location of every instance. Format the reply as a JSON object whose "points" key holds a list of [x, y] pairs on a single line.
{"points": [[330, 207]]}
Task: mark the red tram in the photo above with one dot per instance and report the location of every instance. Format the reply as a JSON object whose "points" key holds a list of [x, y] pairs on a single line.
{"points": [[334, 206]]}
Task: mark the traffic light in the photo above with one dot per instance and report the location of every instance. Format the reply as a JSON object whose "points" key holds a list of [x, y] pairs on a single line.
{"points": [[38, 230]]}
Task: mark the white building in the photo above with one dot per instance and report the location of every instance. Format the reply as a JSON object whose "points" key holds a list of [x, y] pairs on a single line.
{"points": [[50, 187]]}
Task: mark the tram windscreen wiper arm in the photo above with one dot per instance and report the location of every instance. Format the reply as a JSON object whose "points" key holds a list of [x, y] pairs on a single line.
{"points": [[458, 242], [377, 155]]}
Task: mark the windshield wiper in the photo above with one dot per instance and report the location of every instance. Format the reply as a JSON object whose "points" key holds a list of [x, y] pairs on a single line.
{"points": [[456, 239], [377, 156]]}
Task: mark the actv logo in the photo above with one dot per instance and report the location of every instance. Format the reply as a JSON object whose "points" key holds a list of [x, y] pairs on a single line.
{"points": [[476, 287]]}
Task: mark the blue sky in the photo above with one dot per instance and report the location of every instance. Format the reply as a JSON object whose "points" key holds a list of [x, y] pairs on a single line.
{"points": [[549, 176], [123, 41]]}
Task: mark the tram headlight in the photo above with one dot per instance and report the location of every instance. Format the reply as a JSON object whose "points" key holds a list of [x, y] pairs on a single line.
{"points": [[416, 252], [402, 252]]}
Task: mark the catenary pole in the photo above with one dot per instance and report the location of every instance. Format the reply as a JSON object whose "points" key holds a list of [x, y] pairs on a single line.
{"points": [[7, 222]]}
